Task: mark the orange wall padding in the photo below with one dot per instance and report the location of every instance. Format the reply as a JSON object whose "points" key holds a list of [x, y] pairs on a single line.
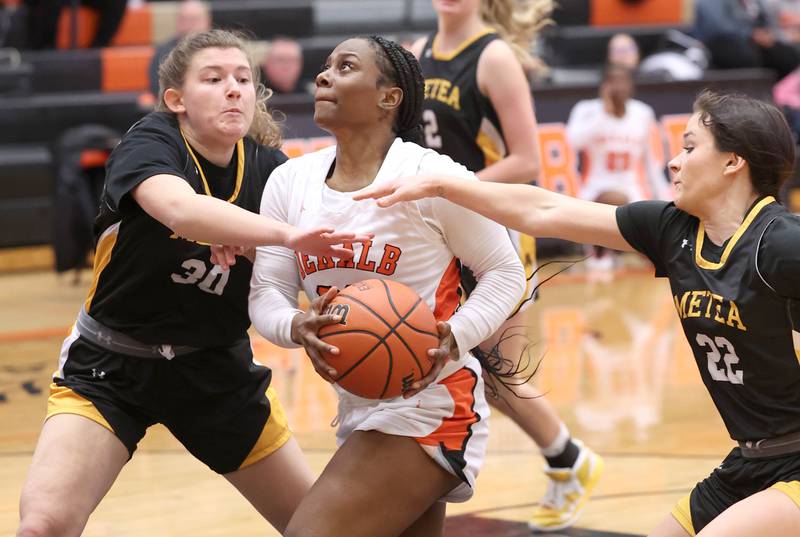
{"points": [[87, 26], [125, 68], [620, 13], [136, 28]]}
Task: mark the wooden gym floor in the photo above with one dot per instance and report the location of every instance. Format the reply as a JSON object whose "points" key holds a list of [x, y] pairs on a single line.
{"points": [[616, 367]]}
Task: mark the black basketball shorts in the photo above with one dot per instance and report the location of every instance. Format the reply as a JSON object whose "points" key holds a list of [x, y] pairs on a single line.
{"points": [[217, 402], [734, 480]]}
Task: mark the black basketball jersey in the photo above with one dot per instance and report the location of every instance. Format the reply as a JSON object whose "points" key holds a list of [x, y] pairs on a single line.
{"points": [[459, 121], [150, 283], [738, 304]]}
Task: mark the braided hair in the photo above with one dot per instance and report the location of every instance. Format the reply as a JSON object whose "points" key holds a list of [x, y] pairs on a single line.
{"points": [[399, 66]]}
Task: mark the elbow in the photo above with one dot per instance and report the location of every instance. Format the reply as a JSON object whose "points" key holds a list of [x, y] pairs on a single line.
{"points": [[530, 167], [177, 215]]}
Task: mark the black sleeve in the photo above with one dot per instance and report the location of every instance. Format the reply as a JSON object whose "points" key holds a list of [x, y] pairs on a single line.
{"points": [[643, 225], [779, 256], [148, 149], [268, 160]]}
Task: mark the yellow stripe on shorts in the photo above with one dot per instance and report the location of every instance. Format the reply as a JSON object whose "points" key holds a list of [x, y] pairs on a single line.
{"points": [[63, 400], [276, 432], [790, 488], [683, 514]]}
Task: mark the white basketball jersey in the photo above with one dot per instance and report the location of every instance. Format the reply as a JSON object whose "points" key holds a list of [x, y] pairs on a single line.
{"points": [[616, 150], [416, 243]]}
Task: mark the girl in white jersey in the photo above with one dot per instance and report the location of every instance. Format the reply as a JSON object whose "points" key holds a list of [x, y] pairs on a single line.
{"points": [[612, 133], [407, 453]]}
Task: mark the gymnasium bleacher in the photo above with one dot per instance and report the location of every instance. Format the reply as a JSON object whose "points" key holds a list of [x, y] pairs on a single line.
{"points": [[44, 93]]}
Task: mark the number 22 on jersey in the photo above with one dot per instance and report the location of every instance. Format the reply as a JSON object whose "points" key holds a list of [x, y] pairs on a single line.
{"points": [[718, 349]]}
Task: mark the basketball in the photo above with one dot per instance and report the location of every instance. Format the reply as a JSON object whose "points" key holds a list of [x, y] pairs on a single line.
{"points": [[383, 337]]}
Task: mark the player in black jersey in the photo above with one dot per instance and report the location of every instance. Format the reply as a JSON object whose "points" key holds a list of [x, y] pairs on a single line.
{"points": [[478, 110], [731, 254], [162, 336]]}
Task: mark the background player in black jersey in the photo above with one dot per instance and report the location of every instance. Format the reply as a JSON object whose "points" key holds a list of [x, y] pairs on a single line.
{"points": [[479, 111], [730, 253], [162, 337]]}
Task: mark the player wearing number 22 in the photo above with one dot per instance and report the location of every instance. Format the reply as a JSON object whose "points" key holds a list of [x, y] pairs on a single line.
{"points": [[730, 252], [406, 453]]}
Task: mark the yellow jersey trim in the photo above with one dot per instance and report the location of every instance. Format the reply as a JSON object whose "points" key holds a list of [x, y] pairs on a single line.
{"points": [[102, 256], [460, 48], [239, 168], [701, 233]]}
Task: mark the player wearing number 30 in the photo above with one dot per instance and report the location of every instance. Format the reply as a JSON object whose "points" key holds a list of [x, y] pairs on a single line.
{"points": [[162, 336], [731, 255]]}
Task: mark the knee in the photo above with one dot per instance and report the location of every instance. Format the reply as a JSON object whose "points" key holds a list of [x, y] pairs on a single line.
{"points": [[34, 525], [296, 529]]}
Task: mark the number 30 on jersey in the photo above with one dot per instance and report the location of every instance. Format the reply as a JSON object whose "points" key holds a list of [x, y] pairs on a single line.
{"points": [[196, 271]]}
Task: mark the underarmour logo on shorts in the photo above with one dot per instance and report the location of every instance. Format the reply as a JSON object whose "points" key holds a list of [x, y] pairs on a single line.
{"points": [[98, 374], [684, 243], [105, 338], [166, 351]]}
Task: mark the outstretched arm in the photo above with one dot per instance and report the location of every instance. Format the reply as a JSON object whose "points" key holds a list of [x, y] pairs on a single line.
{"points": [[171, 201], [526, 208]]}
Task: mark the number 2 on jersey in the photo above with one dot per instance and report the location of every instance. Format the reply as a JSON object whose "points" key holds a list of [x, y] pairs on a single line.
{"points": [[432, 138], [714, 355]]}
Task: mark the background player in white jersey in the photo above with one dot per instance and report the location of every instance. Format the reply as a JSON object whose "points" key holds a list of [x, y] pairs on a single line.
{"points": [[478, 110], [730, 253], [408, 453], [612, 135]]}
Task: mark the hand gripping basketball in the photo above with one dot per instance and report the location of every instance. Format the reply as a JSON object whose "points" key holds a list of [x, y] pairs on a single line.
{"points": [[448, 350], [305, 327]]}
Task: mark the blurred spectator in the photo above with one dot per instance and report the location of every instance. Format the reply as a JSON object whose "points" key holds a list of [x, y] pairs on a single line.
{"points": [[623, 51], [682, 58], [613, 136], [786, 95], [783, 17], [283, 65], [737, 34], [43, 18], [193, 17]]}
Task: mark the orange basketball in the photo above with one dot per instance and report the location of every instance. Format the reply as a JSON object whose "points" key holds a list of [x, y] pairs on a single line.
{"points": [[383, 338]]}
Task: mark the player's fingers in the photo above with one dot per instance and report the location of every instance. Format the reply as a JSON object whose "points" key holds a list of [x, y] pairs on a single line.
{"points": [[390, 200], [320, 365], [327, 319], [341, 252], [439, 357], [444, 329], [374, 192], [230, 255], [329, 295]]}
